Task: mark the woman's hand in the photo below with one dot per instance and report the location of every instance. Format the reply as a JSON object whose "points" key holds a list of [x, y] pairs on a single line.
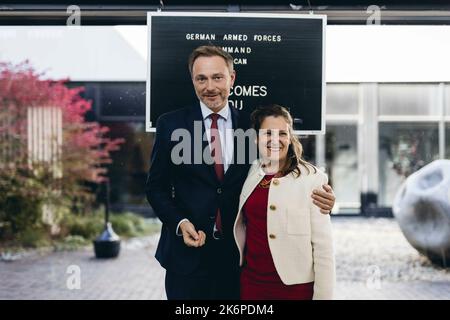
{"points": [[324, 199]]}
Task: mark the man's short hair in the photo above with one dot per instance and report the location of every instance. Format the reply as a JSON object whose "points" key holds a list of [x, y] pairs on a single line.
{"points": [[210, 51]]}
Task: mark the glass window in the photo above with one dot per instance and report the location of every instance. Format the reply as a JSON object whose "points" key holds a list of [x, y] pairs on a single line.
{"points": [[309, 148], [342, 164], [409, 99], [115, 100], [447, 141], [128, 170], [119, 99], [403, 149], [342, 99], [447, 99]]}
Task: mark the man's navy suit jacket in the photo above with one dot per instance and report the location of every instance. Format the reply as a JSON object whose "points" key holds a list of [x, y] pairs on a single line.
{"points": [[192, 191]]}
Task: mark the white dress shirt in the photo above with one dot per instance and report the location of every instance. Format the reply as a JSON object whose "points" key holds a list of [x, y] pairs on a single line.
{"points": [[225, 127]]}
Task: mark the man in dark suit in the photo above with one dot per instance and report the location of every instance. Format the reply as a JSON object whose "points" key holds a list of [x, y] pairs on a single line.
{"points": [[196, 193]]}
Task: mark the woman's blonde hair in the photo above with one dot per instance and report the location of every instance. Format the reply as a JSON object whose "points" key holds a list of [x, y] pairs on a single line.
{"points": [[295, 150]]}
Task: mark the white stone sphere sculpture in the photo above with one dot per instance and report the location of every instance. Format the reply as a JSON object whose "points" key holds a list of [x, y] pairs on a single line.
{"points": [[422, 209]]}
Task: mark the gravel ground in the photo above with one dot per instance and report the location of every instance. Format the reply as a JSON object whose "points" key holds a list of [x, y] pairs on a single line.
{"points": [[375, 248]]}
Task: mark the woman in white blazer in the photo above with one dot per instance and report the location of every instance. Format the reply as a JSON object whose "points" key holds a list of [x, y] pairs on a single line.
{"points": [[285, 242]]}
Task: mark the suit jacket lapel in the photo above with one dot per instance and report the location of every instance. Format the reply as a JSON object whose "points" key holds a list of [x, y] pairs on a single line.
{"points": [[196, 127]]}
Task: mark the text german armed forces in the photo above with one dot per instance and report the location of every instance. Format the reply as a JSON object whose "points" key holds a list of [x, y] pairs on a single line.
{"points": [[234, 37]]}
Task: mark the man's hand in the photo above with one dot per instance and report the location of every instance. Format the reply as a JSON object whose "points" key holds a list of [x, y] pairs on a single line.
{"points": [[324, 199], [191, 237]]}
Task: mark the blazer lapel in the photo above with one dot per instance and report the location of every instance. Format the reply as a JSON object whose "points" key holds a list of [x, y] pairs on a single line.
{"points": [[254, 177]]}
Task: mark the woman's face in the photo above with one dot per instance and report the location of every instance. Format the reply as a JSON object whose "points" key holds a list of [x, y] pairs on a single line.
{"points": [[274, 139]]}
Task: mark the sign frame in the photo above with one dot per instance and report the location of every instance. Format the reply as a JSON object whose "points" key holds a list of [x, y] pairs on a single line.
{"points": [[148, 123]]}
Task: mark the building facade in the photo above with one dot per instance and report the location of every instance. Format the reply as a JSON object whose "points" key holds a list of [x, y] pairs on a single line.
{"points": [[387, 114]]}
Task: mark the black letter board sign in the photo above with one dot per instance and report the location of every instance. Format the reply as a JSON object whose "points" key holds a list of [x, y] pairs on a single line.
{"points": [[278, 58]]}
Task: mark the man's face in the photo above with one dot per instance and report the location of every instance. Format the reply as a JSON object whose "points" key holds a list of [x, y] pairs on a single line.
{"points": [[212, 81]]}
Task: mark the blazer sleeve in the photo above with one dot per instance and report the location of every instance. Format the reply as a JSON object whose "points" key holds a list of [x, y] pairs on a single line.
{"points": [[322, 245], [158, 186]]}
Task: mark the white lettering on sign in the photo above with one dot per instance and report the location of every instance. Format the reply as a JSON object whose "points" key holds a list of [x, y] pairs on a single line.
{"points": [[246, 50], [235, 37], [266, 38], [200, 36], [249, 91], [240, 61]]}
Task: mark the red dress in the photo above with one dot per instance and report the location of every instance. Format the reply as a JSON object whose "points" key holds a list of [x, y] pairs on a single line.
{"points": [[259, 278]]}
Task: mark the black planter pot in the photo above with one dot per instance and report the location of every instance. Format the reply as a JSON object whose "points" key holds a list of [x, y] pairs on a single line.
{"points": [[107, 245]]}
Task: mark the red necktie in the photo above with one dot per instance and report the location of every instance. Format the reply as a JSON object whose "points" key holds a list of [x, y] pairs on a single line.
{"points": [[216, 153]]}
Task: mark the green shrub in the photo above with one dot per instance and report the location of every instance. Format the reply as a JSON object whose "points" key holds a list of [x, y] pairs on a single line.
{"points": [[71, 243], [34, 238], [78, 230], [19, 214], [87, 227], [123, 225], [132, 225]]}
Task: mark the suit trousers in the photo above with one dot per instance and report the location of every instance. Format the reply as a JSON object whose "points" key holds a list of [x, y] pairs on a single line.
{"points": [[217, 278]]}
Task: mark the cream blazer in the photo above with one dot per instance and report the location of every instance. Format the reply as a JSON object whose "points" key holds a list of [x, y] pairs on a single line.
{"points": [[299, 235]]}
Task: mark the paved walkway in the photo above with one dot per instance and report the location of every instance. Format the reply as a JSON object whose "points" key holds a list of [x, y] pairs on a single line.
{"points": [[135, 274], [364, 270]]}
